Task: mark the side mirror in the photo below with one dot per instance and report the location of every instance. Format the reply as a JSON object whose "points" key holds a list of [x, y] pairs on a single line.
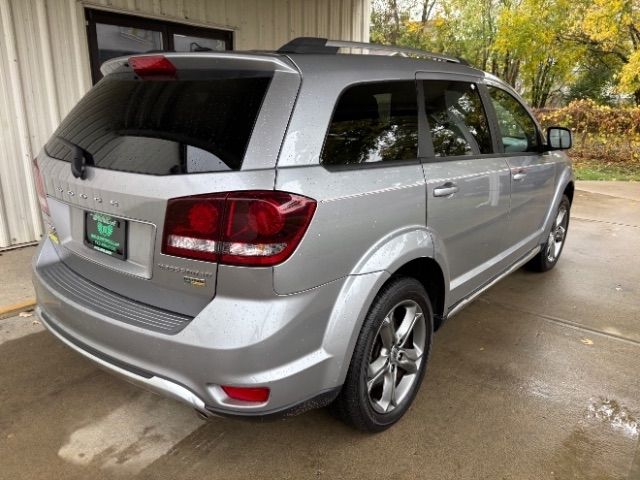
{"points": [[559, 138]]}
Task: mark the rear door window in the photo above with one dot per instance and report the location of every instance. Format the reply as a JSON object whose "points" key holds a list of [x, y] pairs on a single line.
{"points": [[457, 119], [373, 122], [201, 122]]}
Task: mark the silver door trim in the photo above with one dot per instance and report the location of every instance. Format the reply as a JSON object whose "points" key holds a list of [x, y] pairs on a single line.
{"points": [[465, 301]]}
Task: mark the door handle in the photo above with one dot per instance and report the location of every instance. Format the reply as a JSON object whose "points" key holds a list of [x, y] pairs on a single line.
{"points": [[519, 174], [445, 190]]}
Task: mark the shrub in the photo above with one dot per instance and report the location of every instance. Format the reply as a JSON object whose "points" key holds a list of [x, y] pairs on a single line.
{"points": [[602, 133]]}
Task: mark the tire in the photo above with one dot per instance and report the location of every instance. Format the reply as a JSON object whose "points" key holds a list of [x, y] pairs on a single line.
{"points": [[550, 252], [396, 372]]}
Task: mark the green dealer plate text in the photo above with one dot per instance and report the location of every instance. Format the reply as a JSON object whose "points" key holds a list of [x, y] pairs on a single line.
{"points": [[106, 234]]}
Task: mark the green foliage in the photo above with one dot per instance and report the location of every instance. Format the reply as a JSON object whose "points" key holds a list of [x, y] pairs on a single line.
{"points": [[594, 170], [630, 75], [388, 21], [531, 33], [594, 79], [604, 137], [611, 28], [587, 117]]}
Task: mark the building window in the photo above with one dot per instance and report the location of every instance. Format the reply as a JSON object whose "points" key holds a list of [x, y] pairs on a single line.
{"points": [[113, 35]]}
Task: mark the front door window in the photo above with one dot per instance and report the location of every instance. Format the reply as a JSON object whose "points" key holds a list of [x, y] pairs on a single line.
{"points": [[518, 131]]}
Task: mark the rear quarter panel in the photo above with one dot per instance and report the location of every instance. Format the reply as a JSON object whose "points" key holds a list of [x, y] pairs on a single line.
{"points": [[360, 212]]}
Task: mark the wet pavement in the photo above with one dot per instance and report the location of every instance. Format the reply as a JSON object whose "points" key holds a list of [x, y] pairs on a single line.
{"points": [[15, 283], [537, 379]]}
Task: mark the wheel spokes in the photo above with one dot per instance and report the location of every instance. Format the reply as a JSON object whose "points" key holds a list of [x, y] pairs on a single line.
{"points": [[411, 315], [377, 369], [550, 243], [388, 332], [556, 248], [560, 217], [560, 233], [388, 398], [557, 235], [409, 360]]}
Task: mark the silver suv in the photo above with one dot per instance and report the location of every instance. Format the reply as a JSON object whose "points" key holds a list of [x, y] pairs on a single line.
{"points": [[261, 233]]}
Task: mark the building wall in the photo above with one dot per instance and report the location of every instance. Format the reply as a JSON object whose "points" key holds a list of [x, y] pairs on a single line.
{"points": [[44, 69]]}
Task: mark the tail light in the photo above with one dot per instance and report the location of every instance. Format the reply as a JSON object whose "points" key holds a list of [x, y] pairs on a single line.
{"points": [[247, 394], [250, 228], [42, 194]]}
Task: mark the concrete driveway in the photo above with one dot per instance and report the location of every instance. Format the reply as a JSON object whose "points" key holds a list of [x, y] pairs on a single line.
{"points": [[537, 379]]}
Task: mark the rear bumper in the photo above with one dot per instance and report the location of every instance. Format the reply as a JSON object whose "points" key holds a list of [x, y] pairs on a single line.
{"points": [[170, 389], [277, 343]]}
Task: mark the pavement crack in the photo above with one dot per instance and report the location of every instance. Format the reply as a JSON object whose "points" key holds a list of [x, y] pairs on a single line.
{"points": [[567, 323], [619, 224]]}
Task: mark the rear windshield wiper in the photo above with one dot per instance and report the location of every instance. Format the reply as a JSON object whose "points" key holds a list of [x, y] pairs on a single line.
{"points": [[79, 158]]}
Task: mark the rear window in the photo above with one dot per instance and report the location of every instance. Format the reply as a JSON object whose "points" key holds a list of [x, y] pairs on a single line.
{"points": [[164, 127], [372, 123]]}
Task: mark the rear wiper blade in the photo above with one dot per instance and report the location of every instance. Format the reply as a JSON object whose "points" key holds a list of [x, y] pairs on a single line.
{"points": [[79, 159]]}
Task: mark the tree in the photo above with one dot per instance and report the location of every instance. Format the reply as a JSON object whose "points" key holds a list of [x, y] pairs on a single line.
{"points": [[611, 28], [467, 29], [388, 18], [594, 79], [531, 32], [543, 48]]}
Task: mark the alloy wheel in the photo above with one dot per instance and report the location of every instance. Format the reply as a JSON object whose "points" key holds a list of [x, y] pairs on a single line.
{"points": [[396, 356], [557, 235]]}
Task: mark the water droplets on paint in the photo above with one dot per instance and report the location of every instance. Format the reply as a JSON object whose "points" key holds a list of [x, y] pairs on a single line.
{"points": [[617, 415]]}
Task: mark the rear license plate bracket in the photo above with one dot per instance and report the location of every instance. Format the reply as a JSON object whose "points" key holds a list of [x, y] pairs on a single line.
{"points": [[106, 234]]}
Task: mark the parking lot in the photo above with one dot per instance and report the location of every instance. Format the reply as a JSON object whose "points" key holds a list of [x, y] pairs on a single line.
{"points": [[537, 379]]}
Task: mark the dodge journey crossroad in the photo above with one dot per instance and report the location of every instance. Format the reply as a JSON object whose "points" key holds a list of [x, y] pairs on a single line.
{"points": [[260, 233]]}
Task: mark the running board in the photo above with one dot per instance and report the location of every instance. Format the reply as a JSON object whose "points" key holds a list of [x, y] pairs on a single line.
{"points": [[465, 301]]}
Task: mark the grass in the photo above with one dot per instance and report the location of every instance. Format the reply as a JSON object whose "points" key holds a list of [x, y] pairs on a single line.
{"points": [[595, 170]]}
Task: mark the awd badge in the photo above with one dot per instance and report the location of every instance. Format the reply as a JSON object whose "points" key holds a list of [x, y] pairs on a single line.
{"points": [[194, 282]]}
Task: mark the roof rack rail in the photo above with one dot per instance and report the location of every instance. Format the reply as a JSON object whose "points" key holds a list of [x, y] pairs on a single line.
{"points": [[331, 47]]}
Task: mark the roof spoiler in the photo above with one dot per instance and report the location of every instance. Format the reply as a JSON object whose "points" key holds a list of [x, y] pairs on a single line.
{"points": [[223, 59]]}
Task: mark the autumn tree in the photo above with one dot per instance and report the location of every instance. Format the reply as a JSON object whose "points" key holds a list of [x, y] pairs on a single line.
{"points": [[611, 28], [388, 19], [544, 48], [595, 78], [467, 29], [532, 33]]}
